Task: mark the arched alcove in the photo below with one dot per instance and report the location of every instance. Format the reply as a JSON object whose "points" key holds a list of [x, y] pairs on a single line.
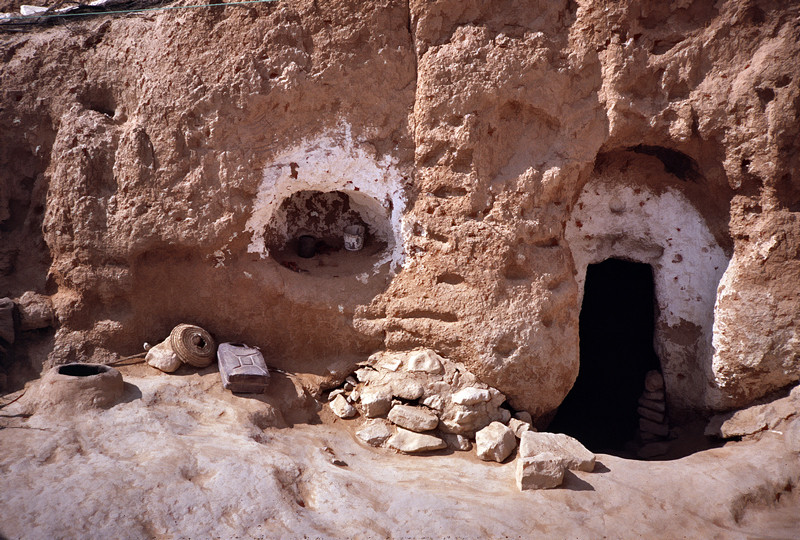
{"points": [[318, 187], [307, 233], [661, 229]]}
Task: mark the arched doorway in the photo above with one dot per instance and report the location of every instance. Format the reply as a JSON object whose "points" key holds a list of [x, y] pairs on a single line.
{"points": [[616, 351]]}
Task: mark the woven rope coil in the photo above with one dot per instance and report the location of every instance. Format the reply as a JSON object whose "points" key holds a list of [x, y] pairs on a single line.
{"points": [[193, 345]]}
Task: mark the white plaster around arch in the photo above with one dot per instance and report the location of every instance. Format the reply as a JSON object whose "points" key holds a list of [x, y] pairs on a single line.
{"points": [[663, 229], [333, 161]]}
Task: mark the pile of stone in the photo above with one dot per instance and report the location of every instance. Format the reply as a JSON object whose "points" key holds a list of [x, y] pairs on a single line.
{"points": [[418, 401], [653, 425]]}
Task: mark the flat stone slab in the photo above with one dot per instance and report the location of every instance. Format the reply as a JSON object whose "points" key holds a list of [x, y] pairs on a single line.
{"points": [[576, 456], [411, 442], [413, 418]]}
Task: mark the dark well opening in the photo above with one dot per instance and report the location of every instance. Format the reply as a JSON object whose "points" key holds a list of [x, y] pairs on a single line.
{"points": [[616, 351], [82, 370]]}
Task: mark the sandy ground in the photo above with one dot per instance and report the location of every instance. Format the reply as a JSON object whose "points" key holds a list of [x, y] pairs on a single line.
{"points": [[180, 458]]}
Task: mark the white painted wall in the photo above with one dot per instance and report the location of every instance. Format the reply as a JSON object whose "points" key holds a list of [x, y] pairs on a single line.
{"points": [[333, 161], [613, 220]]}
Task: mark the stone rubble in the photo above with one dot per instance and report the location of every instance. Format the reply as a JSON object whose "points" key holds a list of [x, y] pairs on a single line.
{"points": [[35, 311], [420, 391]]}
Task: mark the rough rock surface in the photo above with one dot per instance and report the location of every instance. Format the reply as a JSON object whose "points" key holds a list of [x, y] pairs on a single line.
{"points": [[756, 418], [35, 311], [178, 456], [173, 186]]}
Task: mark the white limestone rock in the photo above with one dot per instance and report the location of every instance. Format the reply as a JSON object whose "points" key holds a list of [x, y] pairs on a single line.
{"points": [[375, 432], [413, 418], [162, 357], [574, 454], [471, 396], [518, 427], [457, 442], [543, 471], [342, 408], [495, 442], [425, 361], [410, 442], [409, 389], [375, 403]]}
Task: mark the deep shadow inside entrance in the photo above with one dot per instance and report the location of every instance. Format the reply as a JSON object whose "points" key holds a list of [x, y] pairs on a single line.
{"points": [[616, 351]]}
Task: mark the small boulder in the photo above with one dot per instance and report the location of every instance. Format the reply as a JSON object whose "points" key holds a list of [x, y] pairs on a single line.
{"points": [[163, 357], [457, 442], [425, 361], [35, 311], [375, 403], [525, 416], [495, 442], [652, 404], [411, 442], [342, 408], [518, 427], [471, 396], [655, 416], [413, 418], [407, 389], [574, 454], [653, 381], [653, 396], [648, 426], [543, 471], [375, 432]]}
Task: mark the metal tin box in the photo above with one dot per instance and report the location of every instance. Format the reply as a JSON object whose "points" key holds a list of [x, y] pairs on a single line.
{"points": [[242, 368]]}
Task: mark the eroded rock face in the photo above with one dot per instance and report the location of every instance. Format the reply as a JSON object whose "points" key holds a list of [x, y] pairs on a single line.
{"points": [[464, 135]]}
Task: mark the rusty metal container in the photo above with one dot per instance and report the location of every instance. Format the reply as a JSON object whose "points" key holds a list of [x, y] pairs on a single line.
{"points": [[242, 368]]}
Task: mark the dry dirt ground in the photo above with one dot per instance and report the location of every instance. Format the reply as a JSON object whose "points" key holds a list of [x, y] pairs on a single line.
{"points": [[179, 457]]}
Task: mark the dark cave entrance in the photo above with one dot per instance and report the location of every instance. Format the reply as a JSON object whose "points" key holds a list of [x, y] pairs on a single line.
{"points": [[616, 351]]}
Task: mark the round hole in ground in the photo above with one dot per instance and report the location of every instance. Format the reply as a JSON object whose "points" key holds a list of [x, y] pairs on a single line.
{"points": [[308, 231], [616, 352], [81, 370]]}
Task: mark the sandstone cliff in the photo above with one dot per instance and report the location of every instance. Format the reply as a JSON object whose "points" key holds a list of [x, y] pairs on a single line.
{"points": [[150, 166]]}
